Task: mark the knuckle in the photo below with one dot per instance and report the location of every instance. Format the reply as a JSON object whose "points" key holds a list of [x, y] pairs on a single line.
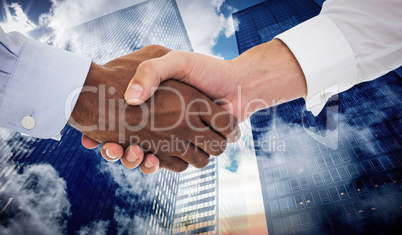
{"points": [[152, 47], [174, 164], [158, 50], [235, 134], [220, 149], [217, 146], [178, 56], [181, 167], [233, 122], [200, 160], [202, 164], [174, 53], [230, 120], [147, 65]]}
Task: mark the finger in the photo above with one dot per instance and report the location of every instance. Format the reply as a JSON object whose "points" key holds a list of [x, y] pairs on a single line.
{"points": [[221, 121], [150, 164], [194, 156], [88, 142], [150, 73], [173, 163], [209, 140], [112, 152], [132, 157]]}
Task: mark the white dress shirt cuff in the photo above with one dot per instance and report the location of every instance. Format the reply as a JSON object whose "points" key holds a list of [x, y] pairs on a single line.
{"points": [[48, 80], [326, 58]]}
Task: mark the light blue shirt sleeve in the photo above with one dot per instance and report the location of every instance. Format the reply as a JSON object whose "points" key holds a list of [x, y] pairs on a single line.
{"points": [[38, 85]]}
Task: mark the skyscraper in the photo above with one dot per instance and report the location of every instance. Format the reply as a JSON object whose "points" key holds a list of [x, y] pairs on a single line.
{"points": [[150, 22], [339, 172], [127, 200], [197, 201]]}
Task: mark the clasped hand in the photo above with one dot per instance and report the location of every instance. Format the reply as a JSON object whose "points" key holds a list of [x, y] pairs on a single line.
{"points": [[179, 124]]}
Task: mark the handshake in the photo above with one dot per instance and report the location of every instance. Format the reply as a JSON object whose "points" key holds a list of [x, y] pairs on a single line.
{"points": [[142, 102], [177, 126]]}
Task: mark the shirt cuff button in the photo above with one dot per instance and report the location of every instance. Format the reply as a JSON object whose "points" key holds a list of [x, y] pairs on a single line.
{"points": [[28, 122]]}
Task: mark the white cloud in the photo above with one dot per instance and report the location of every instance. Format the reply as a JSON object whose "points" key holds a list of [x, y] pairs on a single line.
{"points": [[132, 183], [204, 22], [38, 197], [134, 188], [39, 202], [95, 228], [16, 21], [127, 224]]}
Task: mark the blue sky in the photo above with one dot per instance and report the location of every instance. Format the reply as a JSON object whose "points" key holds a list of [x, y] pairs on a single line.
{"points": [[33, 8], [225, 47]]}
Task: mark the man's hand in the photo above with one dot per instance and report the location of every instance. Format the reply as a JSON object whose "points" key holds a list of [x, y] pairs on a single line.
{"points": [[263, 76], [180, 125]]}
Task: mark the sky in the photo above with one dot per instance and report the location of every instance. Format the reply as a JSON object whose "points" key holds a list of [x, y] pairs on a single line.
{"points": [[208, 22], [227, 46]]}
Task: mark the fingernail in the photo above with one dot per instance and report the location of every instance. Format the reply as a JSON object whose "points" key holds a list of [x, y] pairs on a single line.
{"points": [[109, 154], [148, 164], [134, 94], [132, 157]]}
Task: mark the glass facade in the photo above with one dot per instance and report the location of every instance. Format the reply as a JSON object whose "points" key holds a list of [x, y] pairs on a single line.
{"points": [[262, 22], [339, 172], [124, 31], [197, 201], [100, 191]]}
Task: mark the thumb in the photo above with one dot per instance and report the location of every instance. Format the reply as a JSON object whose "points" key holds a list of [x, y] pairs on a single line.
{"points": [[152, 72]]}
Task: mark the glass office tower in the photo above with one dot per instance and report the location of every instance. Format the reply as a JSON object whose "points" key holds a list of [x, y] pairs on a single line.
{"points": [[151, 22], [339, 172], [147, 203], [197, 201]]}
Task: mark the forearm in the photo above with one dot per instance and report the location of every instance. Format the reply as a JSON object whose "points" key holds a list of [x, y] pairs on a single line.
{"points": [[269, 75]]}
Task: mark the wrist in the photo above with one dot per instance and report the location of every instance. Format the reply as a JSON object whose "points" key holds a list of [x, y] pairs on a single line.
{"points": [[79, 116], [269, 74]]}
